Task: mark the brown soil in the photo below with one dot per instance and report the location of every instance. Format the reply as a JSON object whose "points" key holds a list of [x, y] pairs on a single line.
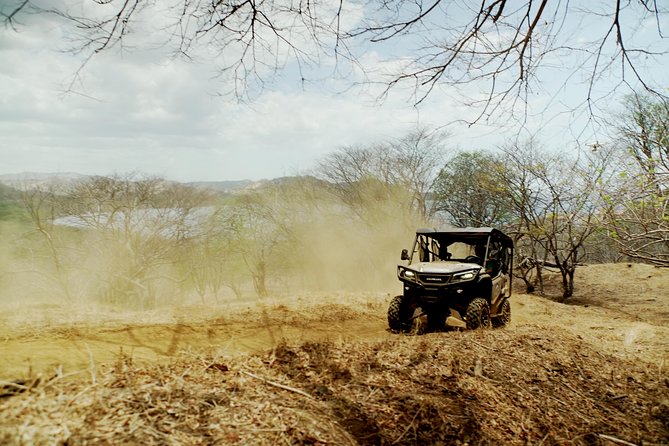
{"points": [[71, 348], [324, 370]]}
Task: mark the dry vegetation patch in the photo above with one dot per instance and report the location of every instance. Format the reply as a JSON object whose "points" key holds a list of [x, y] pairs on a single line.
{"points": [[523, 385], [324, 370]]}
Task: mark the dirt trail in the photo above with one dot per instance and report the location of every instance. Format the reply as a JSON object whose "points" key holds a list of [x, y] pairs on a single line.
{"points": [[75, 348], [620, 309]]}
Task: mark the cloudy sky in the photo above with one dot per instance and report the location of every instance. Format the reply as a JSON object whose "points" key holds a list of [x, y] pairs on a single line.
{"points": [[139, 109]]}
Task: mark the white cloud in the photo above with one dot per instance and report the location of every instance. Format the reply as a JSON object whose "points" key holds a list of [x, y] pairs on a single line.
{"points": [[159, 115], [162, 118], [142, 110]]}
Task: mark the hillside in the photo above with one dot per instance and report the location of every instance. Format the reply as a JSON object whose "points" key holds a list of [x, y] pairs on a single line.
{"points": [[8, 193], [11, 207], [30, 180], [323, 370]]}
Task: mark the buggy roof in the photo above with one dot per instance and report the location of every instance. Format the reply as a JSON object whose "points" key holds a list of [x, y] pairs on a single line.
{"points": [[465, 233]]}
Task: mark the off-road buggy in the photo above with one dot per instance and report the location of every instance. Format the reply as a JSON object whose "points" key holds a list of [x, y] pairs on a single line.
{"points": [[454, 278]]}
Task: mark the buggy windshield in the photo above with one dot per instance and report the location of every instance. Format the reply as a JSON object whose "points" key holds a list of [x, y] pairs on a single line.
{"points": [[432, 249]]}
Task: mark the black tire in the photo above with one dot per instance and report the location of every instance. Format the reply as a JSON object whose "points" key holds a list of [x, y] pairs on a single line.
{"points": [[478, 314], [399, 315], [504, 316]]}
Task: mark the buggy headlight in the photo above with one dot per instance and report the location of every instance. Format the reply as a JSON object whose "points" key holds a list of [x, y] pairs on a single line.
{"points": [[461, 277], [407, 274]]}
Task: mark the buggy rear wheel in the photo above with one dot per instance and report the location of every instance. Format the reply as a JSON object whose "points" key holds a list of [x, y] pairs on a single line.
{"points": [[504, 316]]}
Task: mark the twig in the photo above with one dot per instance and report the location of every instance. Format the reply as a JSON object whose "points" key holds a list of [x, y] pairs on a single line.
{"points": [[75, 397], [410, 424], [12, 388], [91, 365], [14, 385], [580, 372], [482, 346], [276, 384], [615, 440]]}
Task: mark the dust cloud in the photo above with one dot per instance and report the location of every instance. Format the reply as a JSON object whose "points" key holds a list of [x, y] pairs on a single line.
{"points": [[284, 241]]}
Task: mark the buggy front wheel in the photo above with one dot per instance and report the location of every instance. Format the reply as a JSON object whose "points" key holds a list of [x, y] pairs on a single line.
{"points": [[478, 314], [399, 315]]}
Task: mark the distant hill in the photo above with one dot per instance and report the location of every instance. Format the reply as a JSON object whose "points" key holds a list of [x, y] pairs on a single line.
{"points": [[29, 180], [226, 187]]}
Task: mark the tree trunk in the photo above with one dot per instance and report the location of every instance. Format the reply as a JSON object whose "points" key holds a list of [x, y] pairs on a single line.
{"points": [[259, 279], [567, 282]]}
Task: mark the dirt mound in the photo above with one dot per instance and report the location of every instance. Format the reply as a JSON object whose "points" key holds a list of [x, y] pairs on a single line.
{"points": [[635, 289], [525, 385]]}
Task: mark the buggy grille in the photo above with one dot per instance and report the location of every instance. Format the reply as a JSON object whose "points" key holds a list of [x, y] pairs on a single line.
{"points": [[434, 279]]}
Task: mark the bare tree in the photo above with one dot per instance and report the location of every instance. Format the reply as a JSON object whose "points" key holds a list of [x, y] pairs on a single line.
{"points": [[524, 194], [249, 235], [644, 128], [133, 227], [556, 200], [258, 225], [637, 219], [400, 172], [42, 202], [212, 260], [498, 45], [637, 211], [416, 158]]}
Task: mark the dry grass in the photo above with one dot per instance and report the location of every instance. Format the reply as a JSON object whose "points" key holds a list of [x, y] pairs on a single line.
{"points": [[526, 385], [323, 370]]}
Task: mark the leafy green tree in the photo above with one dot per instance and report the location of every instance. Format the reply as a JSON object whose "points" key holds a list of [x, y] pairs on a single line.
{"points": [[468, 190]]}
